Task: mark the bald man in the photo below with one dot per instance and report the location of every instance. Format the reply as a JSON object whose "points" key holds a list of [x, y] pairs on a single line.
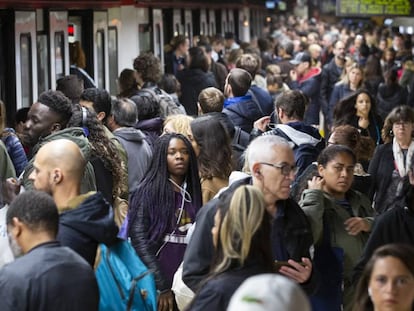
{"points": [[85, 220]]}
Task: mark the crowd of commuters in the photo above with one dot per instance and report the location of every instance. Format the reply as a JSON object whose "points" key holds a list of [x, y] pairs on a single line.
{"points": [[276, 174]]}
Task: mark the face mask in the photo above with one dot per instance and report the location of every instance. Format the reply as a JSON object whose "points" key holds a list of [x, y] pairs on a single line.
{"points": [[14, 246]]}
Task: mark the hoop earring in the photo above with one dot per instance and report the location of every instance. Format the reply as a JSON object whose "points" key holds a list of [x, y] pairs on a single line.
{"points": [[391, 133]]}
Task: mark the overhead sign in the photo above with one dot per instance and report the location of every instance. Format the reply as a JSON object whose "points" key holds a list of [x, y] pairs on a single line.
{"points": [[374, 7]]}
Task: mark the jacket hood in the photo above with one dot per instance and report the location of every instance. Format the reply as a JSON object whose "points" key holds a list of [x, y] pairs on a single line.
{"points": [[154, 124], [130, 134], [313, 72], [75, 134], [91, 215], [243, 106]]}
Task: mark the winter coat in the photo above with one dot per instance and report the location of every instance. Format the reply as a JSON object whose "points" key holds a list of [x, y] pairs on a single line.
{"points": [[390, 97], [15, 150], [86, 221], [310, 85], [49, 277], [139, 154], [193, 81], [316, 204]]}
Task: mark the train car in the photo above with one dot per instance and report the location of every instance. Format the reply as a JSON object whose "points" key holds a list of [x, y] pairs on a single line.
{"points": [[35, 37]]}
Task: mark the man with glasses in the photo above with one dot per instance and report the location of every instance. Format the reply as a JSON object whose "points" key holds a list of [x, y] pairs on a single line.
{"points": [[272, 167]]}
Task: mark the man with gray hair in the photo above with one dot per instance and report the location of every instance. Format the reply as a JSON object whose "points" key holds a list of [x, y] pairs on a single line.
{"points": [[272, 167], [121, 122]]}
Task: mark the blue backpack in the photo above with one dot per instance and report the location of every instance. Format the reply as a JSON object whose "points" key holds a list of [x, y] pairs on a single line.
{"points": [[125, 283]]}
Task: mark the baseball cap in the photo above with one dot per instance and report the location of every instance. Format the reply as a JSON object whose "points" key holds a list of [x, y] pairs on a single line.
{"points": [[300, 57], [267, 292]]}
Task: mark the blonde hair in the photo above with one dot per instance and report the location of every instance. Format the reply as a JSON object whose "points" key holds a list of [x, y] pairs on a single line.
{"points": [[180, 122], [239, 225], [211, 99]]}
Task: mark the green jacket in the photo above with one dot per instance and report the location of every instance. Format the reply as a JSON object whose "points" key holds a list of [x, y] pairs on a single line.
{"points": [[315, 203], [76, 135], [6, 164]]}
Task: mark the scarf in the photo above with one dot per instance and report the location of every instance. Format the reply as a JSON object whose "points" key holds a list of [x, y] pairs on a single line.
{"points": [[399, 157]]}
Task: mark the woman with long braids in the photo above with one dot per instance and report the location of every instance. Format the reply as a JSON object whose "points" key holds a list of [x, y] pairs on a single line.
{"points": [[110, 179], [162, 209]]}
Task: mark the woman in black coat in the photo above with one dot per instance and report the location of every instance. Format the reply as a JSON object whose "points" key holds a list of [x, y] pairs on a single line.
{"points": [[194, 79], [391, 161]]}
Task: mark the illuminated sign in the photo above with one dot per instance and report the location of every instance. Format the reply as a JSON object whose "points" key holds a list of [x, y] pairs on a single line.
{"points": [[374, 7]]}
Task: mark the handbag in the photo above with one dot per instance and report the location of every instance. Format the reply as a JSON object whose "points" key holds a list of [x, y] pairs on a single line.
{"points": [[329, 261]]}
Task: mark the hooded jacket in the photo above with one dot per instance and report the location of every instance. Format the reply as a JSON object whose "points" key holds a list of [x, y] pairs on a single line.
{"points": [[76, 135], [139, 154], [303, 135], [86, 221]]}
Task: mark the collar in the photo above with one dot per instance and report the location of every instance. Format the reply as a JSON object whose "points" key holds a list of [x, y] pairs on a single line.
{"points": [[235, 100]]}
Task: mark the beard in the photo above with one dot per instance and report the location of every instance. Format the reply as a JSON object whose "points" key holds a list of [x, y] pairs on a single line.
{"points": [[14, 246]]}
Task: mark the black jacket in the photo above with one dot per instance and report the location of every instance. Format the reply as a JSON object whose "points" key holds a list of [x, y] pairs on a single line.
{"points": [[216, 293], [193, 81], [84, 226], [48, 277], [389, 97], [330, 75], [198, 256], [394, 226], [380, 168]]}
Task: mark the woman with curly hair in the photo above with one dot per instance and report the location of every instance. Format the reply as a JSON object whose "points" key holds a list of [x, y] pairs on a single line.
{"points": [[109, 175], [162, 209], [359, 110], [214, 154]]}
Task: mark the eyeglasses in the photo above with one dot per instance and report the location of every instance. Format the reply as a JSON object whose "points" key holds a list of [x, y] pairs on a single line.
{"points": [[285, 168], [402, 123]]}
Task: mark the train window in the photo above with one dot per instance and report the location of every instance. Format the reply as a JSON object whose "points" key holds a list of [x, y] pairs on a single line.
{"points": [[100, 57], [26, 69], [144, 38], [59, 55], [157, 43], [203, 28], [42, 63], [113, 59]]}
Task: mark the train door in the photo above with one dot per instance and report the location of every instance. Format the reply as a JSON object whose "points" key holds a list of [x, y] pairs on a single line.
{"points": [[26, 62], [230, 25], [158, 36], [114, 24], [188, 22], [203, 23], [224, 25], [100, 49], [81, 23], [212, 22], [59, 46], [144, 31]]}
